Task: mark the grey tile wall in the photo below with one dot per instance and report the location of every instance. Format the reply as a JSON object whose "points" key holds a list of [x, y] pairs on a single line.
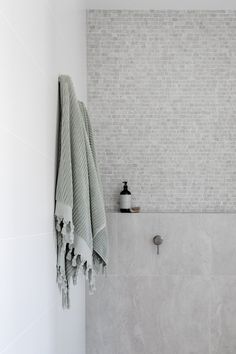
{"points": [[162, 99], [180, 302]]}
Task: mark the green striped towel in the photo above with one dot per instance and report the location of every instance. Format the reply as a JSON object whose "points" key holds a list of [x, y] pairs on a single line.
{"points": [[80, 213]]}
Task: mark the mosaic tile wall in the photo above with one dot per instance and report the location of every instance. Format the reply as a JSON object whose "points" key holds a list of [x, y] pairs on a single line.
{"points": [[162, 100]]}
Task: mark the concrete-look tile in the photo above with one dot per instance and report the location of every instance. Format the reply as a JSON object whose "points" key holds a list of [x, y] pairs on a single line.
{"points": [[186, 248], [136, 254], [112, 242], [223, 314], [102, 317], [222, 230], [164, 315], [157, 315]]}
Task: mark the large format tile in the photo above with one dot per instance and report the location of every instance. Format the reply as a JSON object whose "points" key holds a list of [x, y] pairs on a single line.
{"points": [[182, 301], [72, 40], [149, 315], [112, 242], [36, 32], [223, 315], [27, 187], [28, 282], [135, 253], [222, 230], [39, 338], [29, 99], [186, 248], [70, 323], [163, 315], [101, 317]]}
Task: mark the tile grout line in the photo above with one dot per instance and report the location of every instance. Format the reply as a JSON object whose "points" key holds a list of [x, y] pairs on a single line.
{"points": [[27, 329], [173, 212], [211, 284], [209, 321], [21, 41], [36, 65], [28, 145], [9, 238]]}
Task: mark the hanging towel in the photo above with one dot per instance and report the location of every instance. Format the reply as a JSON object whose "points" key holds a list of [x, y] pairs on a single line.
{"points": [[79, 213]]}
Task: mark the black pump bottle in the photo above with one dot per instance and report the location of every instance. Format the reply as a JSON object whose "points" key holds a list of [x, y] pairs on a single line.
{"points": [[125, 199]]}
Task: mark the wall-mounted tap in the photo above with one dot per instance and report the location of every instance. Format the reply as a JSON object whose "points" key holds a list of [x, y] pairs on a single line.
{"points": [[157, 240]]}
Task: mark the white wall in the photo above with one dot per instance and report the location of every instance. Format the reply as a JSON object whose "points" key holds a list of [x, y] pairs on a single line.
{"points": [[39, 40]]}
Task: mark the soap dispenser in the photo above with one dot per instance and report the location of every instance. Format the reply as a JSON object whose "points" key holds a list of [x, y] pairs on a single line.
{"points": [[125, 199]]}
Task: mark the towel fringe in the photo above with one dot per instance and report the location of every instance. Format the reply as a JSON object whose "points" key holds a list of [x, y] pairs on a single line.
{"points": [[67, 253], [74, 262], [67, 256], [66, 228]]}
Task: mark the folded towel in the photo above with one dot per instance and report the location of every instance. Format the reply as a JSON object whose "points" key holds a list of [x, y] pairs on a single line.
{"points": [[79, 213]]}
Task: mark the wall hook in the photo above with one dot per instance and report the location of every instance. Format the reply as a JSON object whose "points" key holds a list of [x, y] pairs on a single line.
{"points": [[157, 240]]}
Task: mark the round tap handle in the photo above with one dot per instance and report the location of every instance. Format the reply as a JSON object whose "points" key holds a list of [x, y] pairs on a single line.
{"points": [[157, 240]]}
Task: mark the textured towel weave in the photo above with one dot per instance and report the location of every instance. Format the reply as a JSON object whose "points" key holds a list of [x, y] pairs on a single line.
{"points": [[80, 213]]}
